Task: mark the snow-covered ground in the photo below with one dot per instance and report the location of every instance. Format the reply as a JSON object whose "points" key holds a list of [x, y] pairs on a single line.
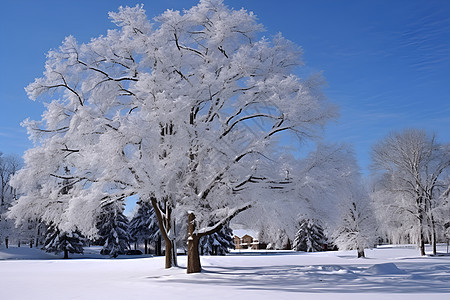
{"points": [[386, 273]]}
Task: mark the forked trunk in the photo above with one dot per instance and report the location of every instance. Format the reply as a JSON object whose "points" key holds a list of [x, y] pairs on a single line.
{"points": [[164, 227]]}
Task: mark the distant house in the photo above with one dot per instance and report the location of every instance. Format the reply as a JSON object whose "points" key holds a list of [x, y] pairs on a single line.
{"points": [[247, 242]]}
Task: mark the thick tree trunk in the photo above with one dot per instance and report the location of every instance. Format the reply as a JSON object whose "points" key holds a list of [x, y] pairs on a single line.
{"points": [[66, 254], [193, 265]]}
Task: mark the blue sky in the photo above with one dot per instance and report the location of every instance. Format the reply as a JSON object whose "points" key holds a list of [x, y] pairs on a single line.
{"points": [[386, 63]]}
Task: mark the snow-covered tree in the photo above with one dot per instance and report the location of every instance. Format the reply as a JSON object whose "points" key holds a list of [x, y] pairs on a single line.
{"points": [[218, 243], [356, 228], [413, 174], [144, 226], [9, 165], [112, 227], [184, 113], [312, 189], [57, 241], [310, 236]]}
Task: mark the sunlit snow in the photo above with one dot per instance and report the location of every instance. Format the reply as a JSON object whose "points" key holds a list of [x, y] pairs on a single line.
{"points": [[386, 273]]}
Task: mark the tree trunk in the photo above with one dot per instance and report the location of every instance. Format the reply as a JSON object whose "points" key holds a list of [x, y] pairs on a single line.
{"points": [[158, 246], [361, 252], [421, 234], [421, 243], [164, 227], [168, 254], [193, 264], [433, 235], [66, 254], [146, 246]]}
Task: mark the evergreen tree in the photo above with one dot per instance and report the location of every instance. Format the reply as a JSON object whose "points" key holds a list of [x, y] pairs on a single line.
{"points": [[218, 243], [112, 227], [58, 241], [309, 236], [144, 227]]}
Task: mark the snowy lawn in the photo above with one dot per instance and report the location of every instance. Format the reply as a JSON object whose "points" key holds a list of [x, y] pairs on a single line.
{"points": [[387, 273]]}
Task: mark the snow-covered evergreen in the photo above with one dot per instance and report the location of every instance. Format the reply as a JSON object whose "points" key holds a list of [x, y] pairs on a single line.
{"points": [[218, 243], [310, 236], [144, 226], [58, 241], [112, 227]]}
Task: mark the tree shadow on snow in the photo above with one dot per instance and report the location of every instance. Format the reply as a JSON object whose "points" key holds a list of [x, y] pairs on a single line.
{"points": [[379, 278]]}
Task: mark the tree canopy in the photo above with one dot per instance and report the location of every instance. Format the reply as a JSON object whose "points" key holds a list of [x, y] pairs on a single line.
{"points": [[185, 112]]}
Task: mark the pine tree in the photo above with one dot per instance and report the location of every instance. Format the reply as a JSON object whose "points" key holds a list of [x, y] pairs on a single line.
{"points": [[58, 241], [112, 227], [144, 227], [309, 237], [218, 243]]}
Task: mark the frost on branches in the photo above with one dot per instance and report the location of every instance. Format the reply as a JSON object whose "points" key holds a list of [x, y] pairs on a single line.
{"points": [[185, 113], [8, 167], [356, 228], [413, 180]]}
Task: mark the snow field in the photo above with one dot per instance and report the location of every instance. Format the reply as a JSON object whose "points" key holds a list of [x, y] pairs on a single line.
{"points": [[387, 273]]}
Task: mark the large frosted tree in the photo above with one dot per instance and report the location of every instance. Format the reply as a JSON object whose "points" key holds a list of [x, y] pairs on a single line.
{"points": [[185, 113]]}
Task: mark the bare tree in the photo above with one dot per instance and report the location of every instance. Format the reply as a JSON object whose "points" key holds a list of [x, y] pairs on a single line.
{"points": [[412, 165], [9, 165]]}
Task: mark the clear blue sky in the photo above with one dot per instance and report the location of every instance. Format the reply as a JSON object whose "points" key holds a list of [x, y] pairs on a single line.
{"points": [[387, 63]]}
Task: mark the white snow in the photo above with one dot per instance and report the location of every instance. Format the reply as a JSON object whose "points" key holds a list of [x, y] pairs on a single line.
{"points": [[386, 273]]}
